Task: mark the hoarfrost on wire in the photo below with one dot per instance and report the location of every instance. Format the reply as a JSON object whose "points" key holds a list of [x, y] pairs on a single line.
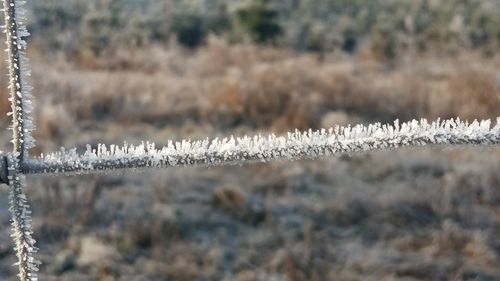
{"points": [[22, 107], [21, 222], [296, 145], [22, 127]]}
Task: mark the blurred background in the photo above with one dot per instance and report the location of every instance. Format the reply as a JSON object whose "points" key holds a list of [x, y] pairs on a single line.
{"points": [[122, 70]]}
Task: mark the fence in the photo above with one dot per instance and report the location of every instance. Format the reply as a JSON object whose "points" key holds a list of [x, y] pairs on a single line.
{"points": [[297, 145]]}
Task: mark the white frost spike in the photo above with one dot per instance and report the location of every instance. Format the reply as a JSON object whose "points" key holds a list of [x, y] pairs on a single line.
{"points": [[21, 222], [293, 146]]}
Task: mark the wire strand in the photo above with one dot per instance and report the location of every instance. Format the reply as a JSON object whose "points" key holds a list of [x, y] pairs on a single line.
{"points": [[296, 145]]}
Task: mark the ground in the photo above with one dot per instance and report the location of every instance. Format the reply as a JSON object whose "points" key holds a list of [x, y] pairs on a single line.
{"points": [[413, 214]]}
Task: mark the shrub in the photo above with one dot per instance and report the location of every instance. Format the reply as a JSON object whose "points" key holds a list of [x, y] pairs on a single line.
{"points": [[261, 22], [383, 43], [189, 30]]}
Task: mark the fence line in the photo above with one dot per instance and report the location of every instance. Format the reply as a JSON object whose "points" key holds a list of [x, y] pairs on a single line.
{"points": [[297, 145]]}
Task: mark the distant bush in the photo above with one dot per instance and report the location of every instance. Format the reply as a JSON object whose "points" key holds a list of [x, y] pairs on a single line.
{"points": [[188, 30], [383, 43], [260, 22], [96, 31]]}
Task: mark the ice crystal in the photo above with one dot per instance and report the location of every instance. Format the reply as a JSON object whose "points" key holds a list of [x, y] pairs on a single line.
{"points": [[296, 145]]}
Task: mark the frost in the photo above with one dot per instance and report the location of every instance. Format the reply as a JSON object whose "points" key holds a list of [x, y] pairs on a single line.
{"points": [[22, 127], [21, 222], [295, 145], [20, 90]]}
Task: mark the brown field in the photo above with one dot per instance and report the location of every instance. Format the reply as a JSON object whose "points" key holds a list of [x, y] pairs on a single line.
{"points": [[413, 214]]}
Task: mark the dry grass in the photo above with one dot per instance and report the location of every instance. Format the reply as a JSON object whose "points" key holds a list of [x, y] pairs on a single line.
{"points": [[226, 87], [404, 215]]}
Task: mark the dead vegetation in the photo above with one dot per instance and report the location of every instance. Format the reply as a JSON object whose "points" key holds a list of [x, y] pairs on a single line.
{"points": [[223, 88], [405, 215]]}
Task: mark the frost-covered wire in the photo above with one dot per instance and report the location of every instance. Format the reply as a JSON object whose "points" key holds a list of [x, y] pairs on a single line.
{"points": [[297, 145], [21, 222], [20, 90], [20, 99]]}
